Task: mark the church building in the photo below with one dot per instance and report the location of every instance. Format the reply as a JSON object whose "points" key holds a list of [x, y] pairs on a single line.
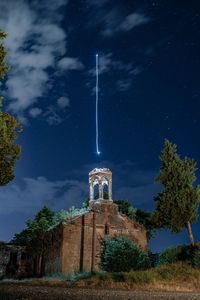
{"points": [[75, 245]]}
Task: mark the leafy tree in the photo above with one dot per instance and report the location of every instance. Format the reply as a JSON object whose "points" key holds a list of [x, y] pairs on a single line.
{"points": [[43, 220], [126, 208], [9, 151], [177, 205], [121, 254], [146, 219], [3, 67], [9, 128]]}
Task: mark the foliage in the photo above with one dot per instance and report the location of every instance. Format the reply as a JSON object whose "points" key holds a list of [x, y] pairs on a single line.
{"points": [[196, 257], [146, 219], [64, 215], [121, 254], [9, 129], [9, 151], [126, 208], [174, 254], [44, 220], [141, 216], [178, 203], [3, 66], [73, 277]]}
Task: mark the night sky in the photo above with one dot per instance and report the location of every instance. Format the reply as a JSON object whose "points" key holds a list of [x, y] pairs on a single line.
{"points": [[149, 90]]}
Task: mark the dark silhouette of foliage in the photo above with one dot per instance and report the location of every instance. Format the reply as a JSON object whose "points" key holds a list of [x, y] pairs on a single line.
{"points": [[177, 205], [9, 129], [121, 254], [43, 220]]}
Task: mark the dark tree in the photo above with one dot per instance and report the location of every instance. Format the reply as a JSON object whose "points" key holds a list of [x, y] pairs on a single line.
{"points": [[36, 227], [9, 128], [177, 205]]}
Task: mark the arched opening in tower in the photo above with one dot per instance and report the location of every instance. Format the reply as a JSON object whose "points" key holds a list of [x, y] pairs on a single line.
{"points": [[105, 192], [96, 191]]}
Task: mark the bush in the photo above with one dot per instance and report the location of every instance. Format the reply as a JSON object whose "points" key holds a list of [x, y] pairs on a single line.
{"points": [[196, 257], [174, 254], [121, 255]]}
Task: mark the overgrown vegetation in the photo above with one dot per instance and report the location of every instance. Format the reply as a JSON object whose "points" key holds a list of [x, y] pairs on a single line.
{"points": [[174, 254], [166, 277], [121, 254], [44, 220]]}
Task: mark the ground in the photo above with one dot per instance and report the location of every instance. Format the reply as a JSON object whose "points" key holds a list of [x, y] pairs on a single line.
{"points": [[26, 292]]}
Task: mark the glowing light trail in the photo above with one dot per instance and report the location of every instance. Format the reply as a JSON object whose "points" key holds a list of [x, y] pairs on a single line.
{"points": [[97, 104]]}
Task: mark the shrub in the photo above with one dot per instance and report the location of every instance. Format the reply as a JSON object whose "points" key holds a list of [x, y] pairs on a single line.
{"points": [[174, 254], [196, 257], [121, 255]]}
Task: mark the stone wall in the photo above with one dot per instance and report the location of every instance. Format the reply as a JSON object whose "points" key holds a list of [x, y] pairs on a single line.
{"points": [[12, 261], [44, 254], [82, 237], [75, 245]]}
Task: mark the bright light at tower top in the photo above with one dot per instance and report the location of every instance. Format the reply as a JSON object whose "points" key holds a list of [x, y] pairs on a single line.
{"points": [[97, 54]]}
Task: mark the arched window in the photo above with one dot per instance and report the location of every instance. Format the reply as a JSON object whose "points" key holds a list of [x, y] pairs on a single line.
{"points": [[105, 191], [96, 191]]}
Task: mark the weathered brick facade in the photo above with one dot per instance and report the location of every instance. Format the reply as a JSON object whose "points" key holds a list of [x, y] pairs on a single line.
{"points": [[77, 246], [12, 261]]}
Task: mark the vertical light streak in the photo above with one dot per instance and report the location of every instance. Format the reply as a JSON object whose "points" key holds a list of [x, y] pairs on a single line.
{"points": [[97, 104]]}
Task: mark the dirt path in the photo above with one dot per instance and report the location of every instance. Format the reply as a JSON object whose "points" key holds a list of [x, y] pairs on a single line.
{"points": [[23, 292]]}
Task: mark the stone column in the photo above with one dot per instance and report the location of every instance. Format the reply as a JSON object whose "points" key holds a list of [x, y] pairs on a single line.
{"points": [[91, 191], [100, 190]]}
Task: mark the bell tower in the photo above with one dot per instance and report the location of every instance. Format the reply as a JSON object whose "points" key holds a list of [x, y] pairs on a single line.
{"points": [[100, 177]]}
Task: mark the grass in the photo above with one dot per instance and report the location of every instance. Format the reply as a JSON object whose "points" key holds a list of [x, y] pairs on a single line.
{"points": [[67, 276], [179, 276], [174, 277]]}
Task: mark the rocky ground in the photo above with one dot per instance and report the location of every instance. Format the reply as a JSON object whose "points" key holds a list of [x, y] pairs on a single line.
{"points": [[27, 292]]}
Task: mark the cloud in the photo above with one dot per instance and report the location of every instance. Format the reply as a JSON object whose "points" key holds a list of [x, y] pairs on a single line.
{"points": [[112, 19], [124, 84], [55, 114], [114, 25], [35, 43], [133, 20], [52, 116], [35, 111], [70, 63], [63, 102], [96, 3], [124, 71], [108, 63], [32, 193]]}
